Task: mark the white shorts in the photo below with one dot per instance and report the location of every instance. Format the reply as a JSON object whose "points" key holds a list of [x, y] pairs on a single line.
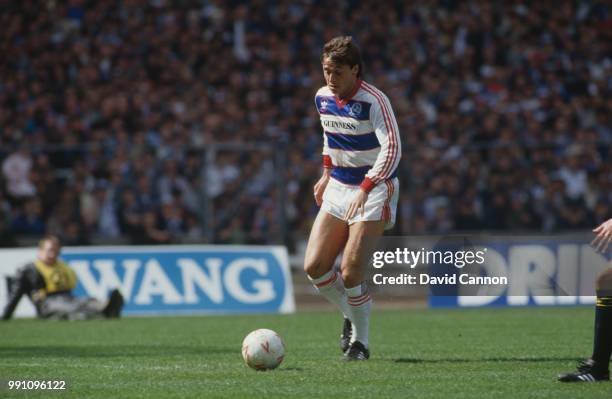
{"points": [[381, 203]]}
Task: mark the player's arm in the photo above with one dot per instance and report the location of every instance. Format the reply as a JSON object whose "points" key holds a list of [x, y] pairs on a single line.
{"points": [[72, 279], [21, 286], [387, 133], [603, 236], [320, 185]]}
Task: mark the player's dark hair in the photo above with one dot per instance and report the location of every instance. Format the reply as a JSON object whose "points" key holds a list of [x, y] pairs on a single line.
{"points": [[49, 237], [343, 51]]}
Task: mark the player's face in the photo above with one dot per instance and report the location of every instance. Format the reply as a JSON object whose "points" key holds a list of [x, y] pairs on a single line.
{"points": [[49, 252], [340, 78]]}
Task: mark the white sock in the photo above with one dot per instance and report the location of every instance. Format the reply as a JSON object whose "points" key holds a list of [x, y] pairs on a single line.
{"points": [[360, 304], [331, 286]]}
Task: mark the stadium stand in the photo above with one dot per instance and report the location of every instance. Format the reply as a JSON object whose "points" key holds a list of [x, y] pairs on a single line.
{"points": [[129, 120]]}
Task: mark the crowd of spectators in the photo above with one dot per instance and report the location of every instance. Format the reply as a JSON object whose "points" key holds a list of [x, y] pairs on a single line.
{"points": [[128, 119]]}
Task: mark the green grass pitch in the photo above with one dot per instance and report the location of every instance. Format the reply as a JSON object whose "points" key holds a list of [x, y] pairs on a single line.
{"points": [[477, 353]]}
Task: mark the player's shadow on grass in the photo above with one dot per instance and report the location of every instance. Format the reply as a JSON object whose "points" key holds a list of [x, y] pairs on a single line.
{"points": [[101, 351], [486, 359]]}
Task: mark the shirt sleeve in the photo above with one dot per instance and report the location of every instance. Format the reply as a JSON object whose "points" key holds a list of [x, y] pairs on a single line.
{"points": [[387, 132], [72, 279], [327, 162], [19, 285], [325, 146]]}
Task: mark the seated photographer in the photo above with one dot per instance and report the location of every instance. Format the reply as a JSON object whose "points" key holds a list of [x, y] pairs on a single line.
{"points": [[49, 282]]}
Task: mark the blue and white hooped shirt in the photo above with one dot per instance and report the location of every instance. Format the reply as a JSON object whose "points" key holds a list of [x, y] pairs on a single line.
{"points": [[361, 138]]}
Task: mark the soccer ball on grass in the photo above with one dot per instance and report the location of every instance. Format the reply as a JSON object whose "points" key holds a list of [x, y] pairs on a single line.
{"points": [[263, 349]]}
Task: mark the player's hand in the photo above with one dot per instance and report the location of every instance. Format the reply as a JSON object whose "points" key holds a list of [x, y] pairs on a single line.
{"points": [[356, 205], [319, 188], [603, 236]]}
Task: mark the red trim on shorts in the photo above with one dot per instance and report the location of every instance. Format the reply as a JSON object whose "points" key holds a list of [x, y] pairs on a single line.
{"points": [[386, 213]]}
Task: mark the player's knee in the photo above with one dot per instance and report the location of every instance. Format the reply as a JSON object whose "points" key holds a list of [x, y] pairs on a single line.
{"points": [[313, 268], [603, 284], [350, 278], [310, 267], [351, 266]]}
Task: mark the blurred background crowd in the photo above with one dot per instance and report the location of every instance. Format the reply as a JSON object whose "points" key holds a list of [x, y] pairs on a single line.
{"points": [[171, 121]]}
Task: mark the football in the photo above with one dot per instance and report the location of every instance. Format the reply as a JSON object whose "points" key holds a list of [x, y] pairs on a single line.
{"points": [[263, 349]]}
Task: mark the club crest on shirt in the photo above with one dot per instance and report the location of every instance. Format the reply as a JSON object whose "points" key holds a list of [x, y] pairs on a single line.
{"points": [[354, 109], [323, 103]]}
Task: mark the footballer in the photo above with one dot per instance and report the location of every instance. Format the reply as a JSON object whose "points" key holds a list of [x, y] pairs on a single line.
{"points": [[596, 368], [49, 282], [358, 191]]}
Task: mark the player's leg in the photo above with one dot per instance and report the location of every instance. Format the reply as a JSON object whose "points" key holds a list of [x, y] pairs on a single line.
{"points": [[67, 307], [85, 308], [114, 305], [363, 237], [327, 238], [597, 367], [602, 348], [91, 308]]}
